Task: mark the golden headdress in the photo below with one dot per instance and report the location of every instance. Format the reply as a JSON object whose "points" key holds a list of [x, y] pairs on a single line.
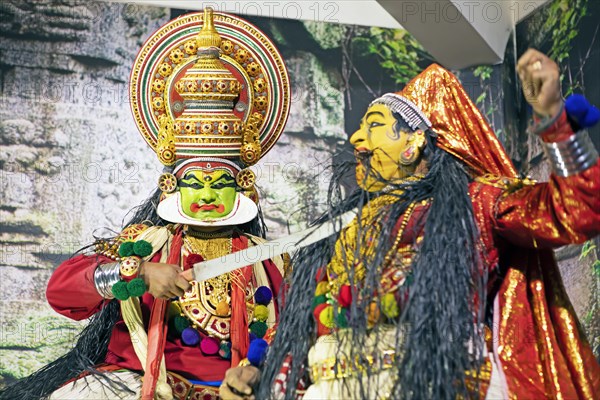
{"points": [[209, 85], [209, 90]]}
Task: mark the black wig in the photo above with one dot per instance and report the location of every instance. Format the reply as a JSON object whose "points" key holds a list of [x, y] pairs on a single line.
{"points": [[438, 326]]}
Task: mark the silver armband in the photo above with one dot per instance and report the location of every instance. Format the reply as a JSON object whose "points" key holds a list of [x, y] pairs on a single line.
{"points": [[573, 155], [105, 276]]}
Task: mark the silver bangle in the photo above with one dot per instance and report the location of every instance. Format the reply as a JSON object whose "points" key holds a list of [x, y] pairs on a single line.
{"points": [[105, 276], [572, 156]]}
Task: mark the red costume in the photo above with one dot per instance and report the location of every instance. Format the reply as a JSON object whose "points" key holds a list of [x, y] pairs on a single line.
{"points": [[537, 346], [537, 340], [71, 292]]}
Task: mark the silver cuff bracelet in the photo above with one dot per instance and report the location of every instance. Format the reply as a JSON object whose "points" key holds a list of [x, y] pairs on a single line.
{"points": [[573, 155], [105, 276]]}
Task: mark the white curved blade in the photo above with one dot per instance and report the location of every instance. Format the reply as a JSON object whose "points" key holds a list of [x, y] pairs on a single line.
{"points": [[211, 268]]}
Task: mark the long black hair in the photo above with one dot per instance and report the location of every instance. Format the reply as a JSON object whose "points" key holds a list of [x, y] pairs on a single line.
{"points": [[437, 331]]}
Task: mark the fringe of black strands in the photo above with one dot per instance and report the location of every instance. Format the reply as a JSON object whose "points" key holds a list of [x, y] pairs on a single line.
{"points": [[437, 337], [299, 332], [296, 330], [442, 322], [146, 212], [90, 350], [440, 318]]}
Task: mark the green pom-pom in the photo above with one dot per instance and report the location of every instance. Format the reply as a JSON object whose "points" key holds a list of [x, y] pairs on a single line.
{"points": [[119, 290], [341, 319], [180, 323], [318, 300], [258, 328], [142, 248], [126, 249], [136, 287], [225, 350]]}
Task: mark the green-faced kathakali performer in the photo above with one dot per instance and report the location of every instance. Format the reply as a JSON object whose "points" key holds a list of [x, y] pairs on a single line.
{"points": [[445, 285], [210, 95]]}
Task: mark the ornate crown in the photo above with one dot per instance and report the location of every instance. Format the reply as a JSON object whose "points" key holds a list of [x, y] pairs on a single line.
{"points": [[219, 91]]}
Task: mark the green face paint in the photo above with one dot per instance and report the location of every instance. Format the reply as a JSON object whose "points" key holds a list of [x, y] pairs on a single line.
{"points": [[207, 195]]}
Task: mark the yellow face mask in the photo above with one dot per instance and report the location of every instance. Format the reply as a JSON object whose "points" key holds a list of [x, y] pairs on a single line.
{"points": [[378, 138]]}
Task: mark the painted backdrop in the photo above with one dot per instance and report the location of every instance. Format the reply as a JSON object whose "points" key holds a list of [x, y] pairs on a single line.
{"points": [[72, 163]]}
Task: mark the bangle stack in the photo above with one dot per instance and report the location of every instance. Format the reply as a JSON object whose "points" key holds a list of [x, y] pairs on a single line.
{"points": [[572, 156], [130, 284], [105, 276]]}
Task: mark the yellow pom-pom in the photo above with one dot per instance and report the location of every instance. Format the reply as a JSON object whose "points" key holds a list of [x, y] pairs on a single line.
{"points": [[322, 288], [261, 313], [222, 309], [389, 306], [326, 317]]}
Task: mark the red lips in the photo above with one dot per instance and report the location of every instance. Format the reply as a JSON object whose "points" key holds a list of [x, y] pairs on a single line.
{"points": [[362, 153], [195, 207]]}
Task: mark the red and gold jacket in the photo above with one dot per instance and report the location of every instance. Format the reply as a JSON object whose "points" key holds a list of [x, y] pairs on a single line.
{"points": [[536, 339], [72, 293]]}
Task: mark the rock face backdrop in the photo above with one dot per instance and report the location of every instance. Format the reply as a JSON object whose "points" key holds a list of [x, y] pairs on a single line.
{"points": [[72, 163]]}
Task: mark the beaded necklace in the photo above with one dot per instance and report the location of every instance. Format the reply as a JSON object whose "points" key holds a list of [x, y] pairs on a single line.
{"points": [[334, 296]]}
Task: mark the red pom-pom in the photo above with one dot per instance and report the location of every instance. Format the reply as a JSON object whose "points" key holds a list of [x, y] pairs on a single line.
{"points": [[193, 259], [345, 296]]}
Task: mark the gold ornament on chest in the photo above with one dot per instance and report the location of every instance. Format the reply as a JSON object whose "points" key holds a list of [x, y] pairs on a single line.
{"points": [[208, 303]]}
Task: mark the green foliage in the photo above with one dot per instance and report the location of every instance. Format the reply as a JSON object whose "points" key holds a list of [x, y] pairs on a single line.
{"points": [[487, 100], [483, 72], [31, 339], [586, 249], [596, 267], [562, 21], [481, 98], [398, 52], [589, 251]]}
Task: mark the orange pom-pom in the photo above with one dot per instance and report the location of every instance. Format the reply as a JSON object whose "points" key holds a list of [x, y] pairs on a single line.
{"points": [[222, 309], [373, 314]]}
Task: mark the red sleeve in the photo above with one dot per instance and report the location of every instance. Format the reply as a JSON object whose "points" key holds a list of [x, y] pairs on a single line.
{"points": [[552, 214], [556, 213], [560, 129], [71, 291]]}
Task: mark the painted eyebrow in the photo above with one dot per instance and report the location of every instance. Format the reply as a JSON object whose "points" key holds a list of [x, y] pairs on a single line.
{"points": [[370, 114], [190, 176], [228, 178]]}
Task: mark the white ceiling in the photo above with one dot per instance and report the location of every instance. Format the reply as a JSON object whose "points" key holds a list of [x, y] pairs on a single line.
{"points": [[457, 33], [357, 12]]}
